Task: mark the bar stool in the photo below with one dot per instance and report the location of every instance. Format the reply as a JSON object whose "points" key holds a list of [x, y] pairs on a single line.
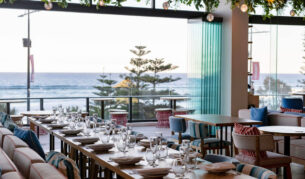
{"points": [[203, 143], [120, 117], [178, 125], [162, 115]]}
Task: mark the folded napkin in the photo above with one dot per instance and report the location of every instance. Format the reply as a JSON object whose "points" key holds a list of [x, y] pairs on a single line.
{"points": [[218, 167]]}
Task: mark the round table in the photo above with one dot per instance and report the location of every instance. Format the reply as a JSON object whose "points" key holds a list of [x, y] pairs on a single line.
{"points": [[286, 132], [102, 100]]}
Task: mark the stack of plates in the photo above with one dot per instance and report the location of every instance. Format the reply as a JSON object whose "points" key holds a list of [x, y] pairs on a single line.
{"points": [[71, 131], [126, 160], [86, 140], [145, 143], [101, 147], [153, 172], [47, 120], [57, 126], [221, 167]]}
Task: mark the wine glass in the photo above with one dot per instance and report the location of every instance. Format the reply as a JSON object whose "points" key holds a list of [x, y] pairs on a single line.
{"points": [[150, 157], [132, 141], [153, 144], [54, 109], [104, 138], [121, 145], [87, 130], [179, 168], [162, 152]]}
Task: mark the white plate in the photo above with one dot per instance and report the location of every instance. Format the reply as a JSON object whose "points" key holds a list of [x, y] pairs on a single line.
{"points": [[86, 140], [101, 147], [71, 131], [126, 160], [57, 126]]}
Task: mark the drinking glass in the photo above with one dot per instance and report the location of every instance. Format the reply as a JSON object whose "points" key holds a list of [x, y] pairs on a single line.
{"points": [[150, 157], [87, 130], [132, 141], [179, 168], [72, 125], [54, 109], [190, 162], [162, 152], [104, 138], [129, 130], [121, 145], [153, 144]]}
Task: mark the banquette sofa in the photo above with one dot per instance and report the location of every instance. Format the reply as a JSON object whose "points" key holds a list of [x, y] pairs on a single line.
{"points": [[18, 161]]}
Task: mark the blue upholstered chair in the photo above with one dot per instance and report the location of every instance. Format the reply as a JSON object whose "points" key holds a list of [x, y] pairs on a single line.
{"points": [[292, 103], [255, 171], [200, 132], [178, 125]]}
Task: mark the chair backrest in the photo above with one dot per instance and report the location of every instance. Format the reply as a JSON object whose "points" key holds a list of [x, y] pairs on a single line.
{"points": [[177, 124], [255, 171], [252, 142], [292, 103], [198, 130]]}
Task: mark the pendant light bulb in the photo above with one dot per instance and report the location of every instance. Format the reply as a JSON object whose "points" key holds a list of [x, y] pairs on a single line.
{"points": [[210, 17], [244, 8], [48, 5], [102, 3], [166, 5]]}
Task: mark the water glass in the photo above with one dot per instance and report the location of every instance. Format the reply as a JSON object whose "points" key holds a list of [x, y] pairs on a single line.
{"points": [[104, 138], [162, 152], [153, 144], [190, 162], [132, 140], [121, 145], [150, 157], [72, 125], [86, 130], [179, 168], [54, 109]]}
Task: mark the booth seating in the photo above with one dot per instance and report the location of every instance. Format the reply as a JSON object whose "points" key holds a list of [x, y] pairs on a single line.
{"points": [[162, 115], [18, 161], [120, 117]]}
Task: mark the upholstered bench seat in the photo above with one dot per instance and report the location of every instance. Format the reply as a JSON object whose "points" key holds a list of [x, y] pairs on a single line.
{"points": [[11, 175], [3, 133], [272, 159], [6, 164], [24, 158], [10, 143], [45, 171]]}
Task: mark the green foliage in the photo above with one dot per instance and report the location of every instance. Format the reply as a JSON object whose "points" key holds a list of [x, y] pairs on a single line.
{"points": [[274, 86], [209, 5]]}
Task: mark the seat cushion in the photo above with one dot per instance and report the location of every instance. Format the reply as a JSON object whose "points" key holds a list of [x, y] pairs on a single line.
{"points": [[272, 159], [31, 139], [3, 133], [10, 143], [24, 158], [209, 143], [11, 175], [64, 164], [240, 129], [45, 171], [297, 148], [292, 103], [6, 163], [255, 171], [259, 114]]}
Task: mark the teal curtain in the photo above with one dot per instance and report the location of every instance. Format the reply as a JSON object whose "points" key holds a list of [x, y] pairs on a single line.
{"points": [[204, 66]]}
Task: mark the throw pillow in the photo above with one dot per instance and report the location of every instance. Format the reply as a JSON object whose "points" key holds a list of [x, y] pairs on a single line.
{"points": [[9, 123], [64, 164], [31, 139], [259, 114], [290, 110], [240, 129]]}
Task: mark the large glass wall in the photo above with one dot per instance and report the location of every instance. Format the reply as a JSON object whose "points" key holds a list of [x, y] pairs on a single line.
{"points": [[279, 49]]}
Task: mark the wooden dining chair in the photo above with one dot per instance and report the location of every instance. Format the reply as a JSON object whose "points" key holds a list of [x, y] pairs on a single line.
{"points": [[200, 133], [261, 145], [178, 125]]}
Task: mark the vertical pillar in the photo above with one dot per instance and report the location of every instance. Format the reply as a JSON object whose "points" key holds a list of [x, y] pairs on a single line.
{"points": [[234, 94]]}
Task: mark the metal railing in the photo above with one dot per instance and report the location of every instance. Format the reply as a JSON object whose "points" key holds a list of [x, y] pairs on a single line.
{"points": [[88, 104]]}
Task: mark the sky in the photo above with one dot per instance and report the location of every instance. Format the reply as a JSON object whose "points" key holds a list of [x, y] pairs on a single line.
{"points": [[74, 42]]}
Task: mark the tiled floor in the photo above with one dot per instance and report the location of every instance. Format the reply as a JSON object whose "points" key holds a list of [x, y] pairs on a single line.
{"points": [[297, 170]]}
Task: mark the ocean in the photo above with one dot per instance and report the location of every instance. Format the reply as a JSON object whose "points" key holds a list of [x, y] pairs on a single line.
{"points": [[13, 85]]}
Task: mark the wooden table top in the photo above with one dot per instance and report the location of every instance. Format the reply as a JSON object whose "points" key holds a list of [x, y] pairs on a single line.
{"points": [[36, 113], [12, 101], [299, 93], [128, 171], [103, 99], [175, 98], [218, 120], [283, 130]]}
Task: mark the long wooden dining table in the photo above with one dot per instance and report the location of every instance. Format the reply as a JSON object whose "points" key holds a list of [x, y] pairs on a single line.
{"points": [[78, 152], [221, 122]]}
